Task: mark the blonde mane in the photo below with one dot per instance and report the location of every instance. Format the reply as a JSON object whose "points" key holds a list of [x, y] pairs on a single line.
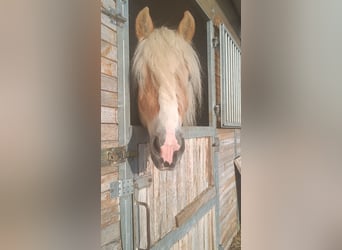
{"points": [[164, 54]]}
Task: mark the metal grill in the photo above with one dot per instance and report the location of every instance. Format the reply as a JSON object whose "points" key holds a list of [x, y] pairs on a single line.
{"points": [[230, 68]]}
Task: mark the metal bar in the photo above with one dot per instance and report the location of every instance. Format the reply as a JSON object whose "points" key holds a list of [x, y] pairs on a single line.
{"points": [[211, 74], [126, 202], [172, 237]]}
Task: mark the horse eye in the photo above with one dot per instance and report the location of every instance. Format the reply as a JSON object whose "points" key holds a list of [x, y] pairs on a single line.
{"points": [[189, 78]]}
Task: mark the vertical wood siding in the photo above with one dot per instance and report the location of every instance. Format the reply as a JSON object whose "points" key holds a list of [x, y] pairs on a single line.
{"points": [[172, 191], [228, 194]]}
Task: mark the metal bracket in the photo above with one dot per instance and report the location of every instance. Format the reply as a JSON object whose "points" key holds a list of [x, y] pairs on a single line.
{"points": [[126, 187], [121, 188]]}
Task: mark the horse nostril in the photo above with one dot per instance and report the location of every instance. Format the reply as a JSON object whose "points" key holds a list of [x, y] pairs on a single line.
{"points": [[156, 144]]}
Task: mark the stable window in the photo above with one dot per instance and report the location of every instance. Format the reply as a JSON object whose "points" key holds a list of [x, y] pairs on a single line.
{"points": [[230, 82]]}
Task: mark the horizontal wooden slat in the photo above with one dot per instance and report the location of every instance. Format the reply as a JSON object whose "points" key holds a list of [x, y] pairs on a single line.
{"points": [[109, 216], [107, 179], [107, 201], [109, 169], [109, 115], [110, 233], [109, 144], [109, 99], [108, 50], [116, 245], [108, 67], [189, 210], [109, 132], [106, 20], [109, 83], [108, 4], [108, 34]]}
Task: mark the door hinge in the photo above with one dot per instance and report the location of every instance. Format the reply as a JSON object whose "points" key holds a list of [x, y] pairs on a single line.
{"points": [[126, 187], [113, 156], [121, 188]]}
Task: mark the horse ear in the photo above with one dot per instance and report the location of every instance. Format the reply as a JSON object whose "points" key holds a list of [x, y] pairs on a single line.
{"points": [[186, 27], [143, 24]]}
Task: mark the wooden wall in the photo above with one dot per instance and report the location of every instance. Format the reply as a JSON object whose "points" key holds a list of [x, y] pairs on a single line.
{"points": [[110, 213], [229, 149]]}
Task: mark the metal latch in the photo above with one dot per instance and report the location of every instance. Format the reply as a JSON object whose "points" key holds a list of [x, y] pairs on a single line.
{"points": [[216, 144], [112, 156]]}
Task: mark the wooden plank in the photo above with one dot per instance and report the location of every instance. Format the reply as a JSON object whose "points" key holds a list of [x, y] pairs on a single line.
{"points": [[109, 216], [162, 205], [109, 115], [193, 207], [108, 4], [109, 144], [109, 169], [181, 184], [108, 35], [110, 233], [107, 179], [108, 67], [109, 51], [109, 132], [106, 20], [109, 99], [116, 245], [109, 83], [237, 163], [156, 206], [108, 202]]}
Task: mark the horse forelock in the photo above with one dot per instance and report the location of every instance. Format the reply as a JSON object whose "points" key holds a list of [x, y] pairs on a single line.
{"points": [[162, 59]]}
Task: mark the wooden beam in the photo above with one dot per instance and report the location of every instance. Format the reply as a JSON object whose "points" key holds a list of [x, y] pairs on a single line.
{"points": [[194, 206]]}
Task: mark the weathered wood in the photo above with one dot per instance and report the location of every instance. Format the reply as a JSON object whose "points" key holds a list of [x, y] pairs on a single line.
{"points": [[110, 233], [193, 207], [108, 67], [109, 83], [108, 34], [109, 99], [107, 179], [237, 163], [108, 51], [108, 4], [109, 115], [109, 132], [116, 245], [106, 20], [109, 216], [107, 201], [109, 144]]}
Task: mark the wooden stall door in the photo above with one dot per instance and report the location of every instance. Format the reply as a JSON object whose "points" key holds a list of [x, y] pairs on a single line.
{"points": [[164, 209]]}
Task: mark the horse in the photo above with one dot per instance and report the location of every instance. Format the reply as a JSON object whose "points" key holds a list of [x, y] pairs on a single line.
{"points": [[167, 76]]}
